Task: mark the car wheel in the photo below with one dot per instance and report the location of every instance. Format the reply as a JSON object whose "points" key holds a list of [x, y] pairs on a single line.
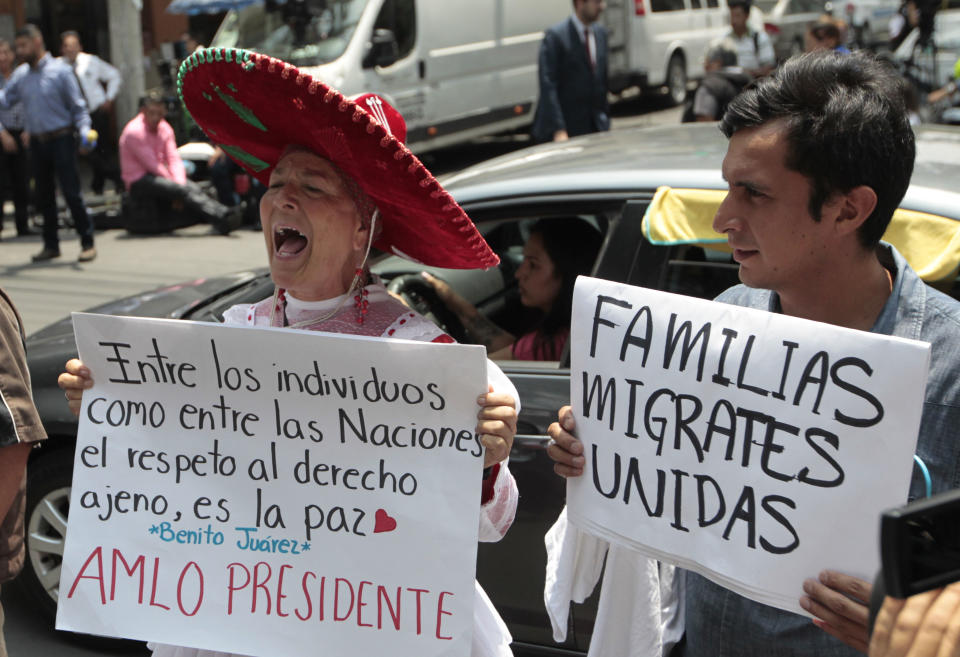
{"points": [[48, 505], [677, 79]]}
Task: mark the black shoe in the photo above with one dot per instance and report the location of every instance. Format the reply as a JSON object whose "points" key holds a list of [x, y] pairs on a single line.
{"points": [[46, 254], [26, 232], [230, 221]]}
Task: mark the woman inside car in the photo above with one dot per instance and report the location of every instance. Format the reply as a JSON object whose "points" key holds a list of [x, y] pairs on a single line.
{"points": [[339, 181], [556, 252]]}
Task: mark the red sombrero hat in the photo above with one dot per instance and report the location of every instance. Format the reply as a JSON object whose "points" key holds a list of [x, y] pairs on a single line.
{"points": [[255, 106]]}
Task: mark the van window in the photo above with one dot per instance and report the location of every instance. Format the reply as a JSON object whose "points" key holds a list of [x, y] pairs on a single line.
{"points": [[303, 33], [805, 6], [400, 17], [666, 5]]}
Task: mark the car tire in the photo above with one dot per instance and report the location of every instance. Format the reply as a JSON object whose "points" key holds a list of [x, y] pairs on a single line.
{"points": [[677, 79], [48, 505]]}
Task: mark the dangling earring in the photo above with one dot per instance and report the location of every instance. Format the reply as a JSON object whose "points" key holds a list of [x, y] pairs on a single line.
{"points": [[360, 300]]}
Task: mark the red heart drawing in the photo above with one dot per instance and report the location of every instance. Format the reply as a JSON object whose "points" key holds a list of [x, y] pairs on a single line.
{"points": [[384, 522]]}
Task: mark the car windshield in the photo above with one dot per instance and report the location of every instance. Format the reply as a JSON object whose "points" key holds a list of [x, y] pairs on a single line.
{"points": [[303, 33]]}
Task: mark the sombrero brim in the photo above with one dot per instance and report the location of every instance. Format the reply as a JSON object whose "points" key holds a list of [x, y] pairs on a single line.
{"points": [[256, 106]]}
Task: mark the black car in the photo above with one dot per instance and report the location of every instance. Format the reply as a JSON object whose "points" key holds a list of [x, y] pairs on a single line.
{"points": [[607, 179]]}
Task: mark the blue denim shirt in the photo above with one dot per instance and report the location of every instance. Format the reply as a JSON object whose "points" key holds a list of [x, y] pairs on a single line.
{"points": [[10, 118], [50, 95], [720, 623]]}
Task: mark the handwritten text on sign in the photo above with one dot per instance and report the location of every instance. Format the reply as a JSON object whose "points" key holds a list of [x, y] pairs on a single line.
{"points": [[268, 491], [754, 448]]}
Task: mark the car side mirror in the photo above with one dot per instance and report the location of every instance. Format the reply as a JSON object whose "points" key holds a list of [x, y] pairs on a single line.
{"points": [[382, 50]]}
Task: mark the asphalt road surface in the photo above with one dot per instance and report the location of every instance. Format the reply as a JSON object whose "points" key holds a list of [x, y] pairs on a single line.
{"points": [[128, 264]]}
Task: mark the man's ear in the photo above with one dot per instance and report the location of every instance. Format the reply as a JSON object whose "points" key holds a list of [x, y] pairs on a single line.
{"points": [[853, 208]]}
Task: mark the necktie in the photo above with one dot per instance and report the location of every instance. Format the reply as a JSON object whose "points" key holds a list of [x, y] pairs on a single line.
{"points": [[586, 43]]}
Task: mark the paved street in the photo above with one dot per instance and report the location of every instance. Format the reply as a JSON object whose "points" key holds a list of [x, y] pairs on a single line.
{"points": [[127, 264]]}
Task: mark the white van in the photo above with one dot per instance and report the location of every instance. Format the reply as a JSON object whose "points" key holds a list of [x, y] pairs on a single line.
{"points": [[455, 70], [869, 20], [655, 43]]}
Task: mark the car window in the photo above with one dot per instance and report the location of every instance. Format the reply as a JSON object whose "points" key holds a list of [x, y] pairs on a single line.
{"points": [[507, 236], [699, 272]]}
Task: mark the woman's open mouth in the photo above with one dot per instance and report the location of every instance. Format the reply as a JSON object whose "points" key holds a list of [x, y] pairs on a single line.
{"points": [[288, 242]]}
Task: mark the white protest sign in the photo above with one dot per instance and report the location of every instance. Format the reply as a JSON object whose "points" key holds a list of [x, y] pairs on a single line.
{"points": [[754, 448], [274, 492]]}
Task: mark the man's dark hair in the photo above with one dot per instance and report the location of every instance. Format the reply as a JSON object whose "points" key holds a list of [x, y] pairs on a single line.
{"points": [[69, 33], [572, 245], [743, 4], [29, 30], [846, 126], [723, 51], [825, 29], [152, 97]]}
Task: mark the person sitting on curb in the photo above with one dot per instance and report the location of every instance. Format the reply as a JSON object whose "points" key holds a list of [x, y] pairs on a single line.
{"points": [[724, 79], [153, 172]]}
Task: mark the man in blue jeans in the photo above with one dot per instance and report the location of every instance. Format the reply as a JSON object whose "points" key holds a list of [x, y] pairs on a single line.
{"points": [[820, 155], [54, 108]]}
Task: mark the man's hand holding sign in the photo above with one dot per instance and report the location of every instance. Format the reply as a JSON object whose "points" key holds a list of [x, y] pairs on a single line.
{"points": [[263, 492], [735, 442]]}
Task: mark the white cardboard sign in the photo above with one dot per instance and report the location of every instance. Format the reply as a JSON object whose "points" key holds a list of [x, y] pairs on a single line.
{"points": [[754, 448], [270, 491]]}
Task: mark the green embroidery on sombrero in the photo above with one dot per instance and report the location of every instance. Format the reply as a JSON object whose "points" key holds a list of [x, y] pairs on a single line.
{"points": [[240, 109], [252, 161], [228, 53], [232, 88], [206, 95], [218, 55]]}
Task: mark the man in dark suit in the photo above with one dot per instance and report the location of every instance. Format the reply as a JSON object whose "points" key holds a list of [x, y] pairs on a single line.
{"points": [[573, 76]]}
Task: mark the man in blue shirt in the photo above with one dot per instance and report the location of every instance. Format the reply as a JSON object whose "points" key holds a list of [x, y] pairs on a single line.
{"points": [[13, 156], [54, 108], [820, 155]]}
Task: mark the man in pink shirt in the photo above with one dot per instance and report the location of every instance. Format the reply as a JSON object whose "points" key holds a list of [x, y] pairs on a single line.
{"points": [[156, 180]]}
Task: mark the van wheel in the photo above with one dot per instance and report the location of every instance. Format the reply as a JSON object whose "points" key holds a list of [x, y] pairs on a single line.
{"points": [[677, 79], [48, 505]]}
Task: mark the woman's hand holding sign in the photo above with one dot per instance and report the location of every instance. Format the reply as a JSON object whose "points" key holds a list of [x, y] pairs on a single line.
{"points": [[497, 424], [565, 449]]}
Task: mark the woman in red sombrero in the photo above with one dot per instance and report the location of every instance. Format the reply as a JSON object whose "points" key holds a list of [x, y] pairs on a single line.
{"points": [[339, 181]]}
